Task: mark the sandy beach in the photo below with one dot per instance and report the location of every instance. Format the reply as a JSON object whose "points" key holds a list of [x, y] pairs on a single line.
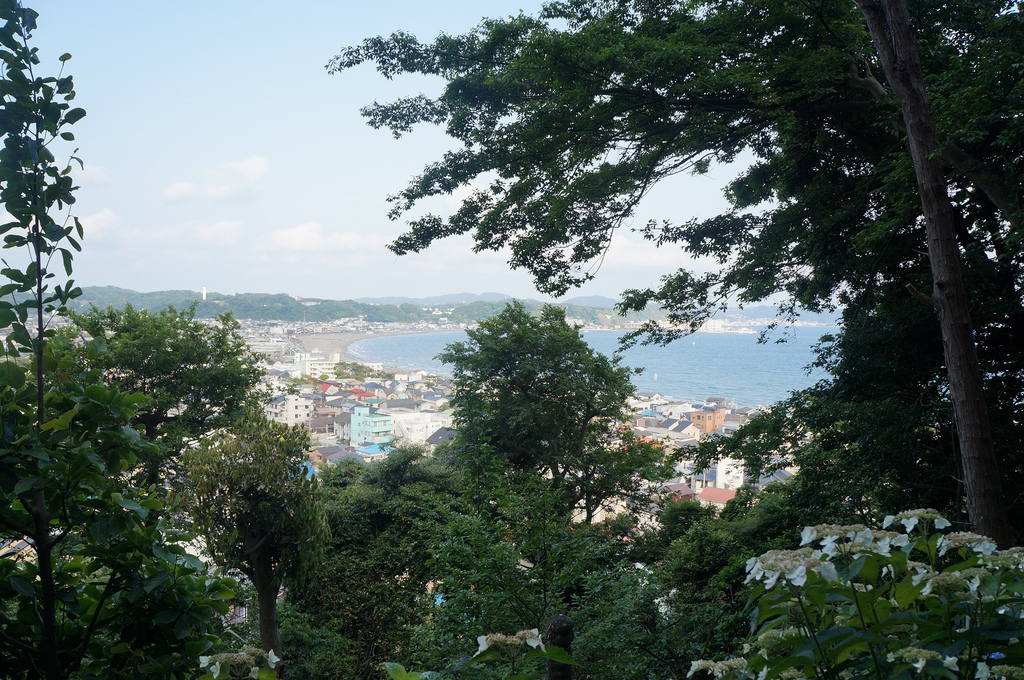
{"points": [[326, 344]]}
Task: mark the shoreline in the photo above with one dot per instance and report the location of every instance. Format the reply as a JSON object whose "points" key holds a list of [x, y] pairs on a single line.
{"points": [[330, 343]]}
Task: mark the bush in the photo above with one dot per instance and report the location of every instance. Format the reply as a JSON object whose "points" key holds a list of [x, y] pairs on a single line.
{"points": [[884, 604]]}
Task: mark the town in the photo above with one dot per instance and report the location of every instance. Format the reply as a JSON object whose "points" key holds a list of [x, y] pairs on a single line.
{"points": [[363, 416]]}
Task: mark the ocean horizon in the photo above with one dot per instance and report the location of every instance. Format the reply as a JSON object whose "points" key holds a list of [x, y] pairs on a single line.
{"points": [[730, 365]]}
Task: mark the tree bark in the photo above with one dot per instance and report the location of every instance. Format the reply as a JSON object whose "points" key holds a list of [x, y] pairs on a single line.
{"points": [[266, 599], [559, 633], [896, 44]]}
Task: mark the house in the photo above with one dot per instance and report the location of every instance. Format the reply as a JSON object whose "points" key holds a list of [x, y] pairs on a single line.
{"points": [[441, 435], [708, 418], [413, 427], [729, 473], [697, 480], [291, 409], [371, 428], [677, 491], [716, 498], [343, 426]]}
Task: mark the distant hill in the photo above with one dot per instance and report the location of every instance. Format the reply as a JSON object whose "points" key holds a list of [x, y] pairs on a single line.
{"points": [[255, 306], [465, 307], [599, 301], [282, 307], [450, 299]]}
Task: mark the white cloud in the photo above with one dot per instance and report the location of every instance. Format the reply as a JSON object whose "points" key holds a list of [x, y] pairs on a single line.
{"points": [[632, 254], [99, 224], [92, 175], [252, 169], [221, 233], [224, 192], [310, 237], [179, 191]]}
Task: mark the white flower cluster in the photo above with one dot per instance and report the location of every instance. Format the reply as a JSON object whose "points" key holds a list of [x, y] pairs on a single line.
{"points": [[965, 539], [792, 566], [248, 656], [530, 638], [858, 538], [918, 658], [911, 518], [721, 668]]}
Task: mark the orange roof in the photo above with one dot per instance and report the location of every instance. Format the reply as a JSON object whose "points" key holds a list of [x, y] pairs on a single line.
{"points": [[716, 495]]}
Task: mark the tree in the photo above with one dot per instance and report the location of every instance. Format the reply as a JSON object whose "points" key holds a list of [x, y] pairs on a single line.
{"points": [[571, 118], [373, 587], [200, 377], [258, 511], [533, 397], [94, 579], [896, 44]]}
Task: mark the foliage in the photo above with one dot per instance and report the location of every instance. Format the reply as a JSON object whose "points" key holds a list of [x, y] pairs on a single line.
{"points": [[257, 509], [885, 604], [280, 307], [352, 369], [200, 377], [314, 648], [509, 651], [572, 116], [568, 119], [533, 398], [94, 578], [105, 584], [373, 586]]}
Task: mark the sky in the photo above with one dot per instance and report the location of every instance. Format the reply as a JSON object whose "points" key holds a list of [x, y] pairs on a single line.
{"points": [[219, 152]]}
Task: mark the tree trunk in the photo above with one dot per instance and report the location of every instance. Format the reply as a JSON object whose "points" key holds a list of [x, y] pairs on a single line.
{"points": [[559, 633], [266, 599], [896, 44]]}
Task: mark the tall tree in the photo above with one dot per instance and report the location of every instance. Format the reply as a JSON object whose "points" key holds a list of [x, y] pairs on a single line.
{"points": [[533, 397], [93, 579], [258, 510], [200, 376], [570, 118], [896, 44]]}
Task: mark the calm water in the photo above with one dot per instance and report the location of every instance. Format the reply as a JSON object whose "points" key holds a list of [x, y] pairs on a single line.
{"points": [[730, 365]]}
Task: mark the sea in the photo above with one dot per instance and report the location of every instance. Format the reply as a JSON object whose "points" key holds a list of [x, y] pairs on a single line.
{"points": [[730, 365]]}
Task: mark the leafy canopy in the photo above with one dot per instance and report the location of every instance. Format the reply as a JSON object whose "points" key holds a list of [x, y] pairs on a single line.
{"points": [[94, 578], [566, 121], [199, 376]]}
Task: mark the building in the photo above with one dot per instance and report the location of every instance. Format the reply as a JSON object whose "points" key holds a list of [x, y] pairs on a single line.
{"points": [[709, 418], [290, 409], [371, 428]]}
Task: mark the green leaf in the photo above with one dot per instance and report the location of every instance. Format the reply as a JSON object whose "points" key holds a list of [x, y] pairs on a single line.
{"points": [[64, 57], [266, 674], [552, 652], [22, 586], [196, 648], [129, 504], [906, 592], [397, 671], [74, 115], [153, 582], [11, 374], [25, 484], [165, 616], [62, 422]]}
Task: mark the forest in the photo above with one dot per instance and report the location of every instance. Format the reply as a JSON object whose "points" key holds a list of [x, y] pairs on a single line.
{"points": [[155, 523]]}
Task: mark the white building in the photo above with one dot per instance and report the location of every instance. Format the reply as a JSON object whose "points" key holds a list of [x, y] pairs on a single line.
{"points": [[291, 409]]}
